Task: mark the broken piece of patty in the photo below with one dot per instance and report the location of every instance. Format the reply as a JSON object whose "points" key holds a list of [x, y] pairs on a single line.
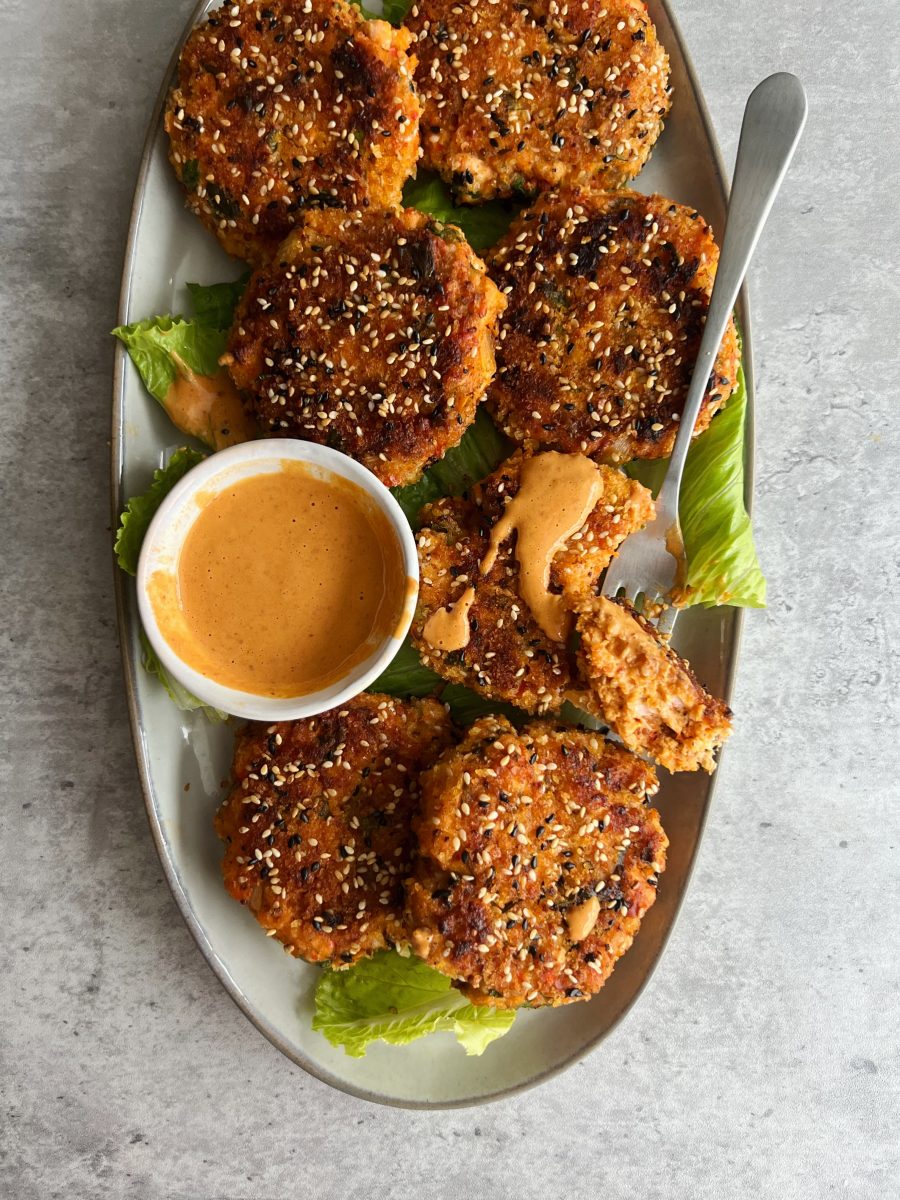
{"points": [[317, 825], [508, 656], [607, 298], [372, 334], [538, 857], [518, 97], [644, 691], [287, 106]]}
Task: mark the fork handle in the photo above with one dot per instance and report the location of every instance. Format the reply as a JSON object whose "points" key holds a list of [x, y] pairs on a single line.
{"points": [[773, 121]]}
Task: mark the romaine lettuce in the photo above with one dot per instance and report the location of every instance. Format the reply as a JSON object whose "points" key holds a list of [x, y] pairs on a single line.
{"points": [[722, 567], [133, 525], [482, 448], [406, 675], [397, 1000], [140, 510], [395, 10], [179, 695], [483, 224], [151, 344], [198, 341], [215, 303]]}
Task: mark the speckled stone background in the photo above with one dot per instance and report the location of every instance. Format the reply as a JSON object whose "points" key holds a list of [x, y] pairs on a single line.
{"points": [[763, 1060]]}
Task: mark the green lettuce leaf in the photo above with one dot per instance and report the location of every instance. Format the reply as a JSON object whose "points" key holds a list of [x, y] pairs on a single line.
{"points": [[407, 675], [482, 448], [214, 303], [396, 1000], [391, 10], [483, 224], [179, 695], [133, 525], [722, 566], [395, 10], [140, 510], [198, 341], [152, 342]]}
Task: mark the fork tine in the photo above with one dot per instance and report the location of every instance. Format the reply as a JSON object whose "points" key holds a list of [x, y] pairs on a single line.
{"points": [[611, 583], [666, 622]]}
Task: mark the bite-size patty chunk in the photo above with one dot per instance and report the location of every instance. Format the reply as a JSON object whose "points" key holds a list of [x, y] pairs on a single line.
{"points": [[372, 334], [644, 691], [538, 857], [518, 97], [508, 656], [607, 298], [289, 105], [317, 825]]}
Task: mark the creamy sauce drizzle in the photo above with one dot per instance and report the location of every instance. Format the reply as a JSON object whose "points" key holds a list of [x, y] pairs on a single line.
{"points": [[208, 407], [448, 628], [285, 582], [557, 493]]}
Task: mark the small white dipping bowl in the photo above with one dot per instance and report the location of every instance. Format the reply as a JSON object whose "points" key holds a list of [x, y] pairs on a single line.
{"points": [[172, 523]]}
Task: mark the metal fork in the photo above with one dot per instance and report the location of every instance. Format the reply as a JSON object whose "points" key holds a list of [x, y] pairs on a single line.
{"points": [[652, 561]]}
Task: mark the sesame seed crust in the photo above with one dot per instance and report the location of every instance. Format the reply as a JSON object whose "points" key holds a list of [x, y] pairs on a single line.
{"points": [[519, 97], [372, 334], [509, 657], [317, 825], [607, 297], [517, 832], [289, 105], [644, 691]]}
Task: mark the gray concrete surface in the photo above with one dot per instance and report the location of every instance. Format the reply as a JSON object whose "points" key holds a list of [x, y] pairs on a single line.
{"points": [[763, 1061]]}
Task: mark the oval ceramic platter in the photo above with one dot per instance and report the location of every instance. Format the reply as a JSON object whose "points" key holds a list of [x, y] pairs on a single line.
{"points": [[184, 761]]}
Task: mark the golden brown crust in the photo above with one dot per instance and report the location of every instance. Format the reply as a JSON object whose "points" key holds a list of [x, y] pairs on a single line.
{"points": [[608, 294], [372, 334], [644, 691], [517, 832], [509, 657], [288, 105], [317, 825], [520, 97]]}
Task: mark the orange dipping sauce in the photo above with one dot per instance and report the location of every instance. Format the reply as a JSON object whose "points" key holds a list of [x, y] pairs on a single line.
{"points": [[285, 582]]}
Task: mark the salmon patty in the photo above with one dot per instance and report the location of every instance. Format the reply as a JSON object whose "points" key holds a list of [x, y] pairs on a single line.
{"points": [[284, 106], [317, 825], [508, 656], [372, 334], [538, 857], [517, 98], [644, 691], [607, 298]]}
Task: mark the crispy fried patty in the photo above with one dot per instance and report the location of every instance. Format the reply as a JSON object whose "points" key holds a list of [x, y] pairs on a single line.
{"points": [[371, 334], [538, 859], [644, 691], [289, 105], [519, 97], [317, 823], [509, 657], [608, 295]]}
